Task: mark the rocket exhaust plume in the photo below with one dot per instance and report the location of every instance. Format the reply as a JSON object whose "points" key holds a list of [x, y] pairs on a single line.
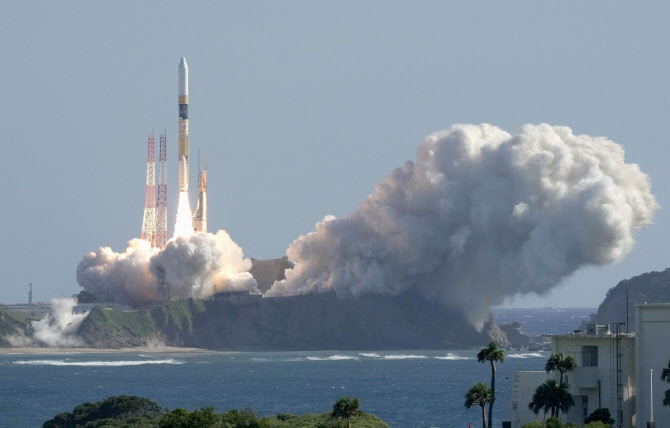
{"points": [[479, 216], [183, 226], [195, 266]]}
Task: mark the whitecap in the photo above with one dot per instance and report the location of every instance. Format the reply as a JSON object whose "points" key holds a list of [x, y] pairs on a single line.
{"points": [[332, 358], [402, 357], [370, 355], [526, 355], [452, 357]]}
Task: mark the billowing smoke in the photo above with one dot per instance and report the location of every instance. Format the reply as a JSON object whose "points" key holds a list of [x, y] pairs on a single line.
{"points": [[57, 330], [195, 266], [481, 215]]}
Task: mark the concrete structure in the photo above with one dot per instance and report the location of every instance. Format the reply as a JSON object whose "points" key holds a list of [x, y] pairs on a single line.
{"points": [[605, 377], [652, 346]]}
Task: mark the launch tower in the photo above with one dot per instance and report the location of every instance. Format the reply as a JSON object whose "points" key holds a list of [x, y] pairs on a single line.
{"points": [[161, 200], [149, 223]]}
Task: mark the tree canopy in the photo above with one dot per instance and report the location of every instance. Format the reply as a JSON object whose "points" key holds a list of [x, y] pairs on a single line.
{"points": [[345, 408], [551, 397], [560, 363]]}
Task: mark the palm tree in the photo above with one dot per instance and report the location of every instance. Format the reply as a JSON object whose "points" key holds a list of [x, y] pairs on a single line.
{"points": [[551, 396], [491, 354], [345, 408], [559, 363], [665, 375], [479, 395]]}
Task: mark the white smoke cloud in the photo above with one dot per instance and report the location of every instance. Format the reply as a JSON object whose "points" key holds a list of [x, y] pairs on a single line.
{"points": [[58, 329], [479, 216], [197, 266]]}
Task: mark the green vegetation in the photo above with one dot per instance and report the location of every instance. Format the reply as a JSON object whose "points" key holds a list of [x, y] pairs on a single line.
{"points": [[665, 375], [478, 395], [120, 411], [559, 363], [600, 415], [345, 408], [550, 396], [551, 423], [491, 354], [135, 323], [12, 323], [131, 411]]}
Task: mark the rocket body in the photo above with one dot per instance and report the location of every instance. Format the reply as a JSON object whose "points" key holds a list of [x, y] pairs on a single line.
{"points": [[182, 101]]}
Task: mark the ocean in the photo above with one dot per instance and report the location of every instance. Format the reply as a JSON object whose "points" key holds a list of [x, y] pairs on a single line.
{"points": [[407, 389]]}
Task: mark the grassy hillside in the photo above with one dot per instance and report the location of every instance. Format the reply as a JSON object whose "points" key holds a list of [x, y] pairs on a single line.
{"points": [[12, 323]]}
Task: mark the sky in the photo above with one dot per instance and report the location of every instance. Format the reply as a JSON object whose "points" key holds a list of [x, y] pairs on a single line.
{"points": [[299, 108]]}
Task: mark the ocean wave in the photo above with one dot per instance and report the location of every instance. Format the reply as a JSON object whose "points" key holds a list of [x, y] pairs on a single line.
{"points": [[95, 363], [403, 357], [370, 355], [452, 357], [525, 355], [332, 358]]}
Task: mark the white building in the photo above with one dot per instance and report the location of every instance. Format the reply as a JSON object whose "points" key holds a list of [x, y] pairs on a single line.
{"points": [[595, 382], [613, 371], [652, 346]]}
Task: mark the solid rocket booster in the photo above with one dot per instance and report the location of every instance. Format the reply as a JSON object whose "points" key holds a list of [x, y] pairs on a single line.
{"points": [[183, 125]]}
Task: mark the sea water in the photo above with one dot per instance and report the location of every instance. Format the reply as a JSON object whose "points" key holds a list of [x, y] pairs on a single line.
{"points": [[407, 389]]}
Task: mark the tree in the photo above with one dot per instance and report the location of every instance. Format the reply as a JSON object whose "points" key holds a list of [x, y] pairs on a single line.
{"points": [[596, 424], [182, 418], [345, 408], [600, 415], [491, 354], [557, 362], [551, 396], [479, 395], [665, 375]]}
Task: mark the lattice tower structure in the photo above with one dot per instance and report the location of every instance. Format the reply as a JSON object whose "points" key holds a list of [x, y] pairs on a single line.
{"points": [[149, 222], [161, 199]]}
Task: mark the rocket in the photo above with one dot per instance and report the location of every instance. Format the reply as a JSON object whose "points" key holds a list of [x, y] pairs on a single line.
{"points": [[182, 101]]}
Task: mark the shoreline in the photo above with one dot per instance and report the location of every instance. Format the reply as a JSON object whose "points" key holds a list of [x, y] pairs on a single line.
{"points": [[141, 349]]}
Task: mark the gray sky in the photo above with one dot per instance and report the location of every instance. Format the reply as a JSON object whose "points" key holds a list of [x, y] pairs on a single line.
{"points": [[300, 107]]}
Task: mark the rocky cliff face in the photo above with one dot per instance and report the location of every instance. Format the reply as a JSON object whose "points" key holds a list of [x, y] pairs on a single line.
{"points": [[651, 287], [319, 321]]}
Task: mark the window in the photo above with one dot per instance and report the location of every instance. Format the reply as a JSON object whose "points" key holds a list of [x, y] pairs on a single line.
{"points": [[585, 405], [589, 356]]}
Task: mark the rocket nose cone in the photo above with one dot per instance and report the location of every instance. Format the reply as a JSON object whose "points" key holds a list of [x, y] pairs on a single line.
{"points": [[182, 63]]}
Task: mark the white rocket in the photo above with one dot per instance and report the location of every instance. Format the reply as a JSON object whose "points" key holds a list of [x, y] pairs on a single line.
{"points": [[183, 125]]}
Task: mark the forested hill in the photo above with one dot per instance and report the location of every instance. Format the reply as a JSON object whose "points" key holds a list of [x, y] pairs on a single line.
{"points": [[651, 287]]}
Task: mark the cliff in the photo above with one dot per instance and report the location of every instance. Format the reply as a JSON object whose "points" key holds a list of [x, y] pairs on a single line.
{"points": [[319, 321], [12, 323], [651, 287]]}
